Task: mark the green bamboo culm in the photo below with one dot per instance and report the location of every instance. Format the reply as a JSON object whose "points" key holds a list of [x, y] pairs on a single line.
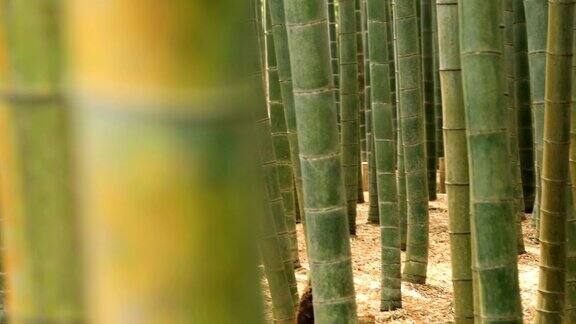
{"points": [[413, 136], [427, 45], [512, 114], [456, 157], [326, 220], [523, 107], [570, 306], [280, 36], [334, 50], [493, 229], [40, 239], [3, 126], [373, 213], [274, 172], [362, 116], [537, 26], [555, 175], [349, 112], [360, 53], [280, 140], [182, 103], [401, 175], [384, 149], [437, 88], [276, 247]]}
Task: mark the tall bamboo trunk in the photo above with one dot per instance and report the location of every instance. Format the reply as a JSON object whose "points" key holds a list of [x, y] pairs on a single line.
{"points": [[39, 219], [553, 209], [275, 173], [427, 45], [384, 148], [360, 53], [437, 92], [512, 116], [522, 104], [401, 175], [362, 116], [349, 112], [373, 213], [413, 136], [456, 159], [537, 25], [570, 306], [280, 141], [277, 17], [334, 51], [275, 240], [491, 201], [182, 103], [4, 120], [327, 224]]}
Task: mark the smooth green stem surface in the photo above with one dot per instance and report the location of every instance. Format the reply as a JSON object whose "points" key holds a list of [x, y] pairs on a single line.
{"points": [[537, 26], [456, 159], [427, 45], [324, 194], [413, 136], [349, 111], [555, 174], [39, 218], [385, 151], [494, 239], [169, 236]]}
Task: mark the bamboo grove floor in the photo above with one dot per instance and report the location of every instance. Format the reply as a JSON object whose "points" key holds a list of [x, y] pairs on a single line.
{"points": [[430, 303]]}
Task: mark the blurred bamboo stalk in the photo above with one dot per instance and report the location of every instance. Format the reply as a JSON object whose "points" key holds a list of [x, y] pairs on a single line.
{"points": [[168, 178]]}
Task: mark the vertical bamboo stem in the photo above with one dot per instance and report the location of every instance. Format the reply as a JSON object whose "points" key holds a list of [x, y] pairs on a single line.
{"points": [[491, 195], [456, 159], [349, 111], [326, 220], [427, 44], [148, 219], [413, 136], [384, 148], [280, 141], [39, 227], [537, 24], [553, 209]]}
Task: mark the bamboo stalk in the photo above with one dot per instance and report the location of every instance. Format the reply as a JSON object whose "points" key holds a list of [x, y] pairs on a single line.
{"points": [[278, 20], [512, 117], [522, 103], [362, 116], [491, 201], [373, 213], [281, 142], [437, 97], [570, 306], [456, 159], [39, 219], [537, 24], [401, 175], [326, 220], [553, 209], [360, 53], [334, 50], [349, 111], [284, 225], [426, 45], [384, 148], [148, 219], [413, 136]]}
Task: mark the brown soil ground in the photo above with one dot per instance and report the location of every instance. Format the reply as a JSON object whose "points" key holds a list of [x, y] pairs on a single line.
{"points": [[429, 303]]}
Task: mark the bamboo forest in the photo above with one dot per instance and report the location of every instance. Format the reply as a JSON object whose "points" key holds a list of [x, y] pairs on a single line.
{"points": [[287, 161]]}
